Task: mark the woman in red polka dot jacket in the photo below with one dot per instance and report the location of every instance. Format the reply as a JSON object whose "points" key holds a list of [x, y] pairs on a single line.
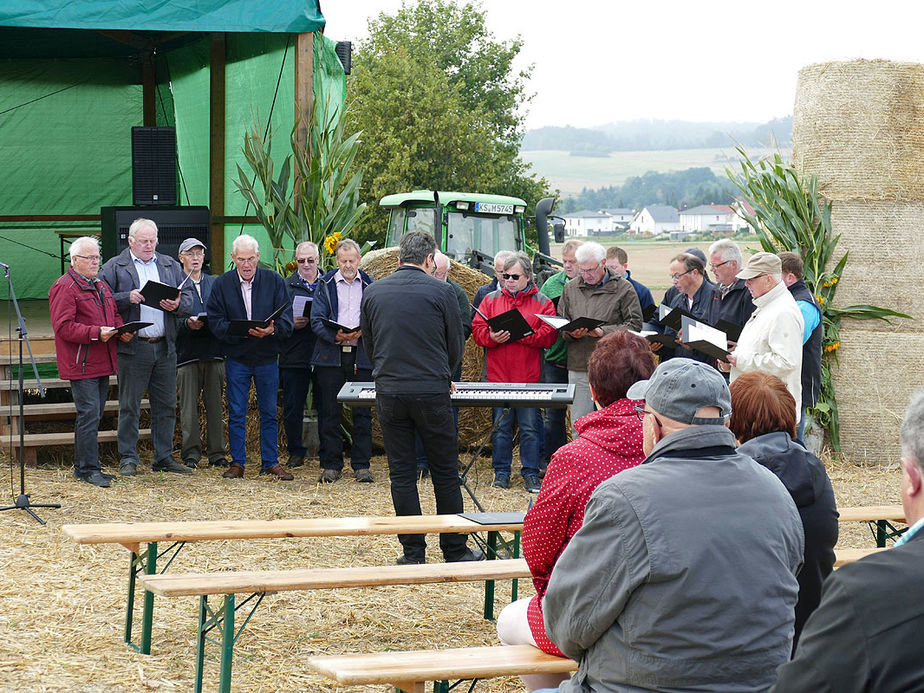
{"points": [[609, 441]]}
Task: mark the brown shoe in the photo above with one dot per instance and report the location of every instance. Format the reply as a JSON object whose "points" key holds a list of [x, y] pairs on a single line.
{"points": [[235, 471], [279, 471]]}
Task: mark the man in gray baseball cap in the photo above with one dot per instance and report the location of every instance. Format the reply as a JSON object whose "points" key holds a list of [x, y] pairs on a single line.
{"points": [[682, 576]]}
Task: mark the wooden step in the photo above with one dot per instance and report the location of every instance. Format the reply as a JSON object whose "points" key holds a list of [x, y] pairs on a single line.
{"points": [[31, 384], [36, 440], [61, 410]]}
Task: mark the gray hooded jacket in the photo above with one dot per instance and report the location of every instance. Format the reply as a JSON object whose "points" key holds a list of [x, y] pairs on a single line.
{"points": [[682, 577]]}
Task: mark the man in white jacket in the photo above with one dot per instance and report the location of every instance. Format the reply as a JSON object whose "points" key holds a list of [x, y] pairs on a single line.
{"points": [[771, 340]]}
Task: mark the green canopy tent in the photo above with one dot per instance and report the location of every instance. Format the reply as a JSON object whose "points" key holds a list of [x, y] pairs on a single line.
{"points": [[75, 78]]}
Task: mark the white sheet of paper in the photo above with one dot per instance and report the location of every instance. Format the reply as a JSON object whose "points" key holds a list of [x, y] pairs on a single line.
{"points": [[298, 305]]}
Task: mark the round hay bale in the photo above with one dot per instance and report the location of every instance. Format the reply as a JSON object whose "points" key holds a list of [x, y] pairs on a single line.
{"points": [[474, 422], [859, 126]]}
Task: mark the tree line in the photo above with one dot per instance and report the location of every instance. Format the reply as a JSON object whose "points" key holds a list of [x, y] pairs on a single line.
{"points": [[646, 135], [681, 189]]}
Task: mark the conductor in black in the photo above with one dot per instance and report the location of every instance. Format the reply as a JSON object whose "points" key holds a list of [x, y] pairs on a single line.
{"points": [[413, 336]]}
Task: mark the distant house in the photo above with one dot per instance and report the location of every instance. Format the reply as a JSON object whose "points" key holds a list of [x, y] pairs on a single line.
{"points": [[655, 220], [588, 222], [710, 218], [738, 206]]}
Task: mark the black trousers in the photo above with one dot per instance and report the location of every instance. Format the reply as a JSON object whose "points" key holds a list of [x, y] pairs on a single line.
{"points": [[329, 381], [401, 416]]}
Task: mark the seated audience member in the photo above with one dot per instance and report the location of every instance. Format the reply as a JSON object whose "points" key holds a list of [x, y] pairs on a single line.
{"points": [[682, 577], [865, 634], [764, 421], [84, 318], [610, 440]]}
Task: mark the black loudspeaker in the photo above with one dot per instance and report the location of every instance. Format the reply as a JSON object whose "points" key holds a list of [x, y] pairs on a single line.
{"points": [[344, 51], [154, 166], [174, 225]]}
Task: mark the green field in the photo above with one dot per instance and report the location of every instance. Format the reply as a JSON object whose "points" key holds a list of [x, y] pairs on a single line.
{"points": [[571, 174]]}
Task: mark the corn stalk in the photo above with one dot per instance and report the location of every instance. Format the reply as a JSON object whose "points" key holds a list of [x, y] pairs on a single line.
{"points": [[320, 202], [790, 214]]}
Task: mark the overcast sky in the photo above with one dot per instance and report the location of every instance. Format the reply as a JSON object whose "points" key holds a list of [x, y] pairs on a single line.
{"points": [[601, 61]]}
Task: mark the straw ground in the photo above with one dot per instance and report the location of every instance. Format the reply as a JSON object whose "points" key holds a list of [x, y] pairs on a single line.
{"points": [[62, 605]]}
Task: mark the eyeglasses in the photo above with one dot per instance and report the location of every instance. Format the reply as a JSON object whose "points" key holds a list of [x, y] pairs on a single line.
{"points": [[90, 258], [511, 276], [592, 270], [640, 412], [750, 279], [675, 277], [306, 260], [194, 253], [716, 266], [246, 260]]}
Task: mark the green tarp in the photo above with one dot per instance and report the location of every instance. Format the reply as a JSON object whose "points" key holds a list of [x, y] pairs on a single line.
{"points": [[65, 127], [278, 16]]}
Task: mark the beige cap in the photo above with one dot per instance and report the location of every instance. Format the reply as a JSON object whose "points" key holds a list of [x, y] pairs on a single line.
{"points": [[761, 263]]}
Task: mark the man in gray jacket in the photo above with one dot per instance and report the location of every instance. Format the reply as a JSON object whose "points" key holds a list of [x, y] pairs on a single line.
{"points": [[682, 577]]}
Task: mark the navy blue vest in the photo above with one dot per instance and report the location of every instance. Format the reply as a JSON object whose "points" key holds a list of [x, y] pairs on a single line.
{"points": [[811, 350]]}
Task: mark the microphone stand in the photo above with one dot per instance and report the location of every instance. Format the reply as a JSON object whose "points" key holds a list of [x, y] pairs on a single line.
{"points": [[22, 501]]}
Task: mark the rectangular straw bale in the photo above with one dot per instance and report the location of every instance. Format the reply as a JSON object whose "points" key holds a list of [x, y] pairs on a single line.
{"points": [[859, 126]]}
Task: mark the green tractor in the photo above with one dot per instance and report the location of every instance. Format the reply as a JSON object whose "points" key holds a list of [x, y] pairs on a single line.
{"points": [[472, 227]]}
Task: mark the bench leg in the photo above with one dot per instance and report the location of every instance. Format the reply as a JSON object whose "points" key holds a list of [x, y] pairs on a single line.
{"points": [[149, 565], [516, 554], [227, 645], [410, 686], [489, 584]]}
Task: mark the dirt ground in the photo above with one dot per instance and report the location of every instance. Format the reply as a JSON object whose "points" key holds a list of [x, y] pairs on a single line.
{"points": [[62, 605]]}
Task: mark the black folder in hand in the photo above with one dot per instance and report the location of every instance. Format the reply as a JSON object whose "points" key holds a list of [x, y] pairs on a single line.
{"points": [[132, 327], [337, 326], [241, 328], [560, 323], [511, 321], [155, 292]]}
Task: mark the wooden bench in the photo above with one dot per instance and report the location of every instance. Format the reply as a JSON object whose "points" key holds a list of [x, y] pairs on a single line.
{"points": [[844, 556], [260, 583], [144, 559], [881, 519], [410, 671]]}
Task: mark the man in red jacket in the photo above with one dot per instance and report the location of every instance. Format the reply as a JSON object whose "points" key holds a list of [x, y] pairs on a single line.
{"points": [[84, 318], [515, 361]]}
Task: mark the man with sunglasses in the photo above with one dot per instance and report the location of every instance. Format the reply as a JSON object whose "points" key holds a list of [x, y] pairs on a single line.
{"points": [[682, 576], [518, 361], [295, 372]]}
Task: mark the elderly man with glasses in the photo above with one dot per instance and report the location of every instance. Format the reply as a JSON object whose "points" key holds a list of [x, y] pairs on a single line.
{"points": [[731, 300], [596, 293], [200, 366], [148, 362], [295, 372], [84, 318], [771, 340], [653, 593]]}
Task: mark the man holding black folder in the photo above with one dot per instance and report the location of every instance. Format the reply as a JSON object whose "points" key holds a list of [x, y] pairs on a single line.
{"points": [[339, 356], [148, 362], [251, 293]]}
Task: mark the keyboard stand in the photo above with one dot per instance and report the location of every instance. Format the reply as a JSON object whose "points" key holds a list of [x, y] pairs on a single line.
{"points": [[463, 475]]}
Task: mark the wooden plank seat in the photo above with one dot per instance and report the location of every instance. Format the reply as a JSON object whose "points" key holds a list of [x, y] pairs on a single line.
{"points": [[142, 539], [260, 583], [411, 670], [882, 520], [844, 556], [32, 384]]}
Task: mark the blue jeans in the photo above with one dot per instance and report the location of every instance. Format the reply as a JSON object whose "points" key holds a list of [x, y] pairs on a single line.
{"points": [[266, 379], [528, 419], [90, 400], [554, 434]]}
